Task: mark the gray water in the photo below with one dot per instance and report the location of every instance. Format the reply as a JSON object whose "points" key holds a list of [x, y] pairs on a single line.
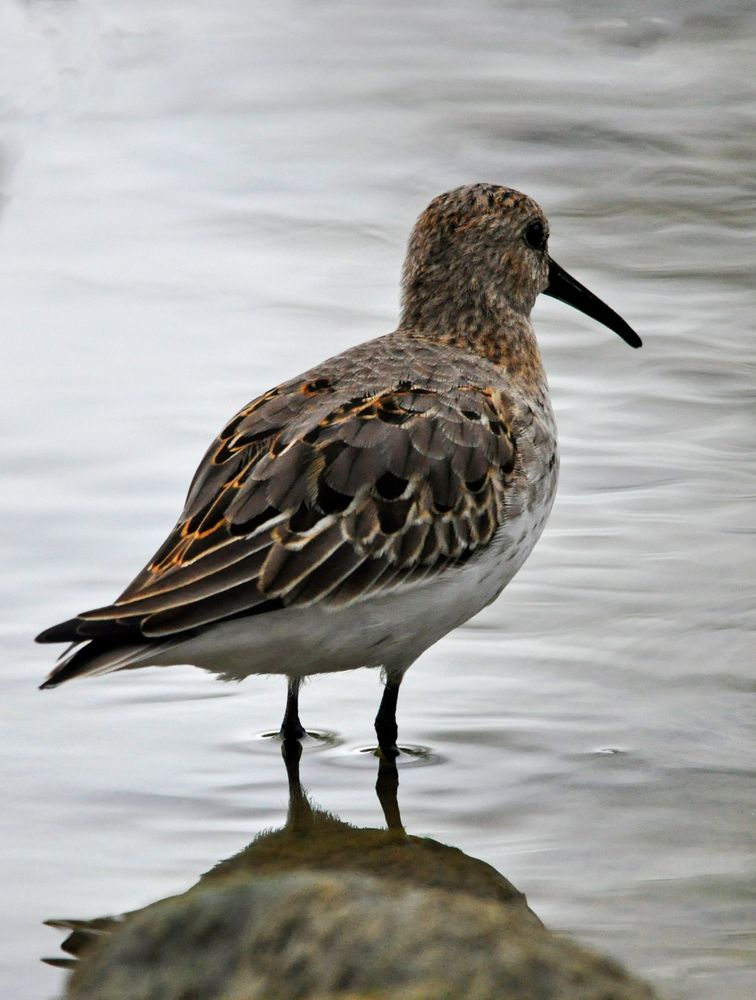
{"points": [[199, 200]]}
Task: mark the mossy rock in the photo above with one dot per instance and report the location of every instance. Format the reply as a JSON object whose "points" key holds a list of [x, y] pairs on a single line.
{"points": [[346, 936]]}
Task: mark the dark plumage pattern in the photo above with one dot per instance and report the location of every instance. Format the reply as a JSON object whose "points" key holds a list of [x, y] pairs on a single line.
{"points": [[325, 490]]}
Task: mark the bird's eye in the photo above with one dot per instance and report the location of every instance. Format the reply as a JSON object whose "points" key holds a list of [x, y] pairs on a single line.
{"points": [[535, 235]]}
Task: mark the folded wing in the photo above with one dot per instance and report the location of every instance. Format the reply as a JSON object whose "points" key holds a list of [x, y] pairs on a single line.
{"points": [[309, 497]]}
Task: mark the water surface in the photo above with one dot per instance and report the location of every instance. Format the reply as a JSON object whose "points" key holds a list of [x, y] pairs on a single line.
{"points": [[198, 201]]}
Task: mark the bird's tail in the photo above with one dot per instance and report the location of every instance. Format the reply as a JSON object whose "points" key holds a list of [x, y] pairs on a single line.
{"points": [[100, 656]]}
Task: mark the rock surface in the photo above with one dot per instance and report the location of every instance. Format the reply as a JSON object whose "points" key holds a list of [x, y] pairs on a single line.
{"points": [[321, 910], [315, 935]]}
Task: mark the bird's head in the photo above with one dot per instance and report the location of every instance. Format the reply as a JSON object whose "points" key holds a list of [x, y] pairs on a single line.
{"points": [[481, 250]]}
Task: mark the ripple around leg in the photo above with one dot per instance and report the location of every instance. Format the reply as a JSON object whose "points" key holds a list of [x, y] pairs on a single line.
{"points": [[314, 739], [410, 755]]}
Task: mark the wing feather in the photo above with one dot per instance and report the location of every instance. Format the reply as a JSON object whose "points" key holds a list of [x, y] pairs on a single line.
{"points": [[311, 495]]}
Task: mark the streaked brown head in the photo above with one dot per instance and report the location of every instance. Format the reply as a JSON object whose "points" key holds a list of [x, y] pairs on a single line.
{"points": [[479, 252]]}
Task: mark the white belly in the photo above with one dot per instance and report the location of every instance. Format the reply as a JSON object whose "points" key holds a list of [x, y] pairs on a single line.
{"points": [[388, 630]]}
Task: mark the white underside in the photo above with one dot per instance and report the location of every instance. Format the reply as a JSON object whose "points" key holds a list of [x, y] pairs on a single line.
{"points": [[388, 630]]}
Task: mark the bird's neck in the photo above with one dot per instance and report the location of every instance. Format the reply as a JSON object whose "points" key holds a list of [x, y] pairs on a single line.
{"points": [[505, 338]]}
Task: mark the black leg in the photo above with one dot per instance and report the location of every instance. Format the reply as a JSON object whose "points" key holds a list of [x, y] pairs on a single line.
{"points": [[385, 721], [291, 727]]}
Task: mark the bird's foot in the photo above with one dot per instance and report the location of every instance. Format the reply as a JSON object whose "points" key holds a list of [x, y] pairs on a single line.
{"points": [[387, 733], [293, 730], [388, 752]]}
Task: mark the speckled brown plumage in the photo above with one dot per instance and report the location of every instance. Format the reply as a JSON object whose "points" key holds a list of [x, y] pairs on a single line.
{"points": [[333, 486], [390, 468]]}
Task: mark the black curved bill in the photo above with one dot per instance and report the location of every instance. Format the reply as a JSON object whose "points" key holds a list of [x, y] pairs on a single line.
{"points": [[564, 287]]}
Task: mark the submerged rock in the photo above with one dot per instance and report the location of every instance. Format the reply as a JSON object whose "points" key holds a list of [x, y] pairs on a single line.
{"points": [[314, 935], [321, 910]]}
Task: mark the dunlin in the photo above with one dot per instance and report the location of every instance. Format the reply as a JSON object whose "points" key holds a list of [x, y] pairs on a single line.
{"points": [[354, 515]]}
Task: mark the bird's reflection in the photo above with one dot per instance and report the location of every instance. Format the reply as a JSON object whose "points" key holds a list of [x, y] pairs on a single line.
{"points": [[315, 840]]}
